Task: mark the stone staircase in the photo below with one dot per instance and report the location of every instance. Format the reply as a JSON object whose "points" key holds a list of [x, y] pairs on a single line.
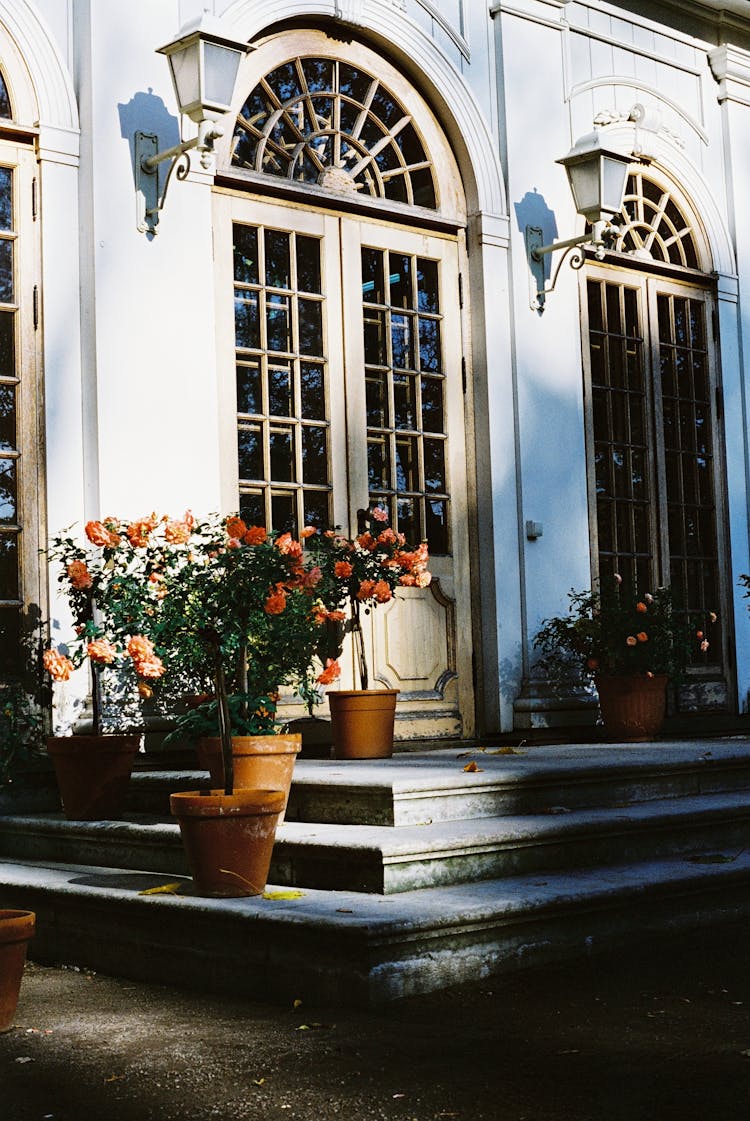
{"points": [[394, 877]]}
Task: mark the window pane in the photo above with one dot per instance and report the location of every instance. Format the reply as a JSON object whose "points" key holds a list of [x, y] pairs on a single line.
{"points": [[313, 393], [404, 401], [310, 327], [9, 568], [278, 273], [308, 264], [7, 418], [278, 326], [314, 455], [250, 452], [246, 324], [251, 509], [429, 345], [249, 398], [281, 446], [6, 198], [6, 272], [280, 391], [245, 254], [427, 286]]}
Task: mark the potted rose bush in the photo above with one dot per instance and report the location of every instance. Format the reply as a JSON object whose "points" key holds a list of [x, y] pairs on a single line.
{"points": [[630, 646], [114, 596], [359, 575]]}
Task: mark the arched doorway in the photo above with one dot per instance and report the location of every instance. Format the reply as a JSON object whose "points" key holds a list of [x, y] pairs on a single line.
{"points": [[654, 437], [339, 221]]}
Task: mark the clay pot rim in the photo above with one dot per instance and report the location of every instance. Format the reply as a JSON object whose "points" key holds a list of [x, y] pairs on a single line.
{"points": [[363, 693], [69, 745], [257, 745], [215, 803], [16, 925]]}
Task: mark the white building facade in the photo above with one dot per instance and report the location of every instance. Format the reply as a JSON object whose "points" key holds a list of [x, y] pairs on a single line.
{"points": [[341, 311]]}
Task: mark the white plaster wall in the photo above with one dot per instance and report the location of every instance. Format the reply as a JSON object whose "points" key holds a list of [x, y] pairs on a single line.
{"points": [[547, 345], [147, 304]]}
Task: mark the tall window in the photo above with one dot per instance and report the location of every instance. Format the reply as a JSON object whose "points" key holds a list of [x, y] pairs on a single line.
{"points": [[652, 425], [21, 493]]}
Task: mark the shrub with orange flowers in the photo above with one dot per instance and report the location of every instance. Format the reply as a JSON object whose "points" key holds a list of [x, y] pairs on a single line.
{"points": [[359, 574], [618, 632], [113, 579], [210, 606]]}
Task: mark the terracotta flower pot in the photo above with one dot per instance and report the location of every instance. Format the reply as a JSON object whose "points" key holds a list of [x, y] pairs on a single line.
{"points": [[16, 928], [260, 762], [632, 707], [93, 773], [362, 722], [228, 838]]}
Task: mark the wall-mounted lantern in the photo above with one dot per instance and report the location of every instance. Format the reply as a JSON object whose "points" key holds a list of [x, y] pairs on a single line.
{"points": [[597, 176], [203, 63]]}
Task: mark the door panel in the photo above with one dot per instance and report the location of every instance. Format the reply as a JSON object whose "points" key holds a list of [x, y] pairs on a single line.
{"points": [[345, 341]]}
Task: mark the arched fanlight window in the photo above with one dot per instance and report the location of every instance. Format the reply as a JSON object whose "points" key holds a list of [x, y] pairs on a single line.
{"points": [[328, 123], [6, 112], [653, 227]]}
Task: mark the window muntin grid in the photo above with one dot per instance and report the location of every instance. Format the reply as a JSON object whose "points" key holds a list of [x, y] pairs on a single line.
{"points": [[688, 451], [331, 124], [623, 465], [653, 227], [283, 429], [653, 445], [10, 596], [405, 394]]}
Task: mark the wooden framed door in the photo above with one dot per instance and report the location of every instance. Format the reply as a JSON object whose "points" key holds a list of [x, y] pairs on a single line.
{"points": [[345, 342]]}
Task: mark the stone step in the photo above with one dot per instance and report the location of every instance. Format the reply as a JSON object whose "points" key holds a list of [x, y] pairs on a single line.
{"points": [[387, 860], [419, 788], [354, 949]]}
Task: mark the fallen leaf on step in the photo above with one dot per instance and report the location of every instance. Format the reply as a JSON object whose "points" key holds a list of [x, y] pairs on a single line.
{"points": [[315, 1027], [162, 889], [472, 767], [283, 894], [502, 751], [258, 1081], [114, 1078], [344, 911]]}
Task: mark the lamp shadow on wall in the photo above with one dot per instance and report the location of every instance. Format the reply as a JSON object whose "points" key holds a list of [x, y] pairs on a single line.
{"points": [[147, 113], [533, 211]]}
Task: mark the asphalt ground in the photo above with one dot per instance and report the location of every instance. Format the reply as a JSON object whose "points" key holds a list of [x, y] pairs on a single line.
{"points": [[653, 1032]]}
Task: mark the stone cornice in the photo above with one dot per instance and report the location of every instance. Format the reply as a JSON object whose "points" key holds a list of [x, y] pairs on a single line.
{"points": [[730, 67]]}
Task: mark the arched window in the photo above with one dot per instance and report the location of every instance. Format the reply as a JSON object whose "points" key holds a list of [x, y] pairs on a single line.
{"points": [[327, 122], [654, 438]]}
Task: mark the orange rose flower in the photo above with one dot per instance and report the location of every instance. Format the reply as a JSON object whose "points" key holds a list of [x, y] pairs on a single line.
{"points": [[330, 673], [641, 607], [255, 535], [57, 665], [366, 589], [178, 532], [642, 636], [382, 592], [308, 531], [235, 527], [276, 602], [287, 545], [79, 575], [101, 651], [342, 569], [99, 534], [138, 532]]}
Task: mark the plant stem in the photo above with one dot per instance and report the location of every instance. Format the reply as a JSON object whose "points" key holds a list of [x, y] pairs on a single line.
{"points": [[225, 732], [359, 645]]}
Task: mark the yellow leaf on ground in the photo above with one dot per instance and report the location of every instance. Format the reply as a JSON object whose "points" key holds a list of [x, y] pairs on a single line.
{"points": [[162, 889], [472, 767], [283, 894]]}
